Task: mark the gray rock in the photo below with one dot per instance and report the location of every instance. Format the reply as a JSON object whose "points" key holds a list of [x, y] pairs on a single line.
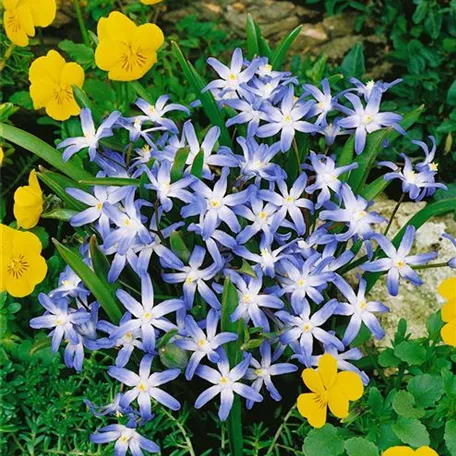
{"points": [[311, 36], [340, 24], [338, 47]]}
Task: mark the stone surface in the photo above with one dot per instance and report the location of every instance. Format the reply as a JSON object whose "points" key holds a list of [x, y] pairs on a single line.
{"points": [[338, 47], [340, 24], [415, 304], [310, 37]]}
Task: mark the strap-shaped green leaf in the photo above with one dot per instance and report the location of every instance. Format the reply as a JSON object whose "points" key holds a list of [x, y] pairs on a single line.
{"points": [[197, 166], [207, 100], [418, 220], [369, 192], [177, 170], [230, 300], [178, 246], [43, 150], [114, 181], [103, 292], [253, 48], [281, 52], [141, 90], [58, 184]]}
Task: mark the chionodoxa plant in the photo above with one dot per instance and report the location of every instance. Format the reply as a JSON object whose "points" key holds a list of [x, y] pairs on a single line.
{"points": [[233, 246]]}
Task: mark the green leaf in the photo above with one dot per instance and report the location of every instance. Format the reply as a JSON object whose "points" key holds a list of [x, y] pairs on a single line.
{"points": [[346, 155], [451, 95], [22, 98], [197, 166], [247, 269], [375, 401], [325, 441], [115, 181], [282, 49], [58, 185], [433, 325], [388, 359], [141, 91], [179, 247], [367, 158], [84, 102], [253, 48], [100, 264], [103, 294], [358, 446], [173, 356], [207, 100], [43, 150], [404, 405], [177, 170], [265, 50], [353, 63], [369, 192], [411, 352], [59, 214], [427, 389], [80, 53], [450, 437], [411, 432]]}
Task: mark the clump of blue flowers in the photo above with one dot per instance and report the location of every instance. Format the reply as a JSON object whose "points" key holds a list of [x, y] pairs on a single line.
{"points": [[197, 220]]}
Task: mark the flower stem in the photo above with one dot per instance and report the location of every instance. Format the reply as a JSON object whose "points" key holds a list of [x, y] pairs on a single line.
{"points": [[279, 430], [7, 55], [82, 27], [181, 428], [296, 151], [401, 199]]}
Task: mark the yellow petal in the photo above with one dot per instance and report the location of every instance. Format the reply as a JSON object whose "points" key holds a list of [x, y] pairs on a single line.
{"points": [[19, 287], [349, 384], [27, 216], [26, 243], [148, 37], [132, 71], [26, 20], [327, 368], [2, 155], [6, 239], [108, 53], [150, 2], [72, 74], [425, 451], [63, 109], [116, 27], [448, 333], [449, 311], [43, 11], [312, 380], [42, 91], [310, 407], [13, 28], [447, 288], [49, 66], [338, 403], [399, 451], [33, 181]]}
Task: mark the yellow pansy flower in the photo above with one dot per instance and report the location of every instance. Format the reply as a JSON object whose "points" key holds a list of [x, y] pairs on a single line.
{"points": [[22, 266], [447, 289], [51, 80], [28, 203], [151, 2], [407, 451], [22, 16], [328, 388], [125, 50]]}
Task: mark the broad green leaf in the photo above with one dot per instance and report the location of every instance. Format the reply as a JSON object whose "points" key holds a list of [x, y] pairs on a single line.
{"points": [[325, 441], [114, 181], [177, 170], [265, 50], [358, 446], [43, 150], [209, 104], [247, 269], [197, 166], [353, 63], [173, 356], [178, 246], [450, 437], [404, 405], [100, 263], [85, 102], [411, 432], [387, 358], [451, 95], [58, 184], [411, 352], [346, 155], [281, 51], [103, 294], [252, 39], [427, 389]]}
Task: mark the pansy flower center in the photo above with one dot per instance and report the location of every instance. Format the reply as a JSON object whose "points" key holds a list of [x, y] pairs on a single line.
{"points": [[17, 266], [132, 58]]}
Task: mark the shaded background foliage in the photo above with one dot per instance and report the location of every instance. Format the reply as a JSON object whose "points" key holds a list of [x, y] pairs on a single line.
{"points": [[42, 410]]}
